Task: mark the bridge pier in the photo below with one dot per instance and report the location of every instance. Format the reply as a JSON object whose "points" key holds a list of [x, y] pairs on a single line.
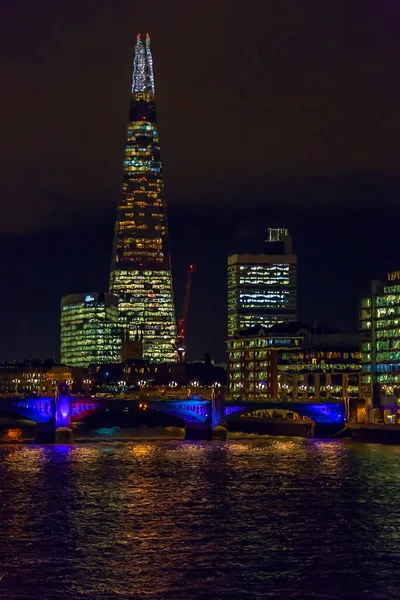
{"points": [[64, 436], [213, 427], [63, 432], [57, 430], [204, 431], [198, 431], [220, 433], [46, 432]]}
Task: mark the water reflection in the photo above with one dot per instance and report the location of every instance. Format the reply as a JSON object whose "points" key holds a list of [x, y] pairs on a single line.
{"points": [[279, 518]]}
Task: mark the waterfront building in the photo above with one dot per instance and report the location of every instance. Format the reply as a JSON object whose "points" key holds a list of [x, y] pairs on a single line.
{"points": [[293, 361], [141, 266], [262, 288], [36, 377], [168, 378], [90, 330], [76, 377], [22, 378], [380, 342]]}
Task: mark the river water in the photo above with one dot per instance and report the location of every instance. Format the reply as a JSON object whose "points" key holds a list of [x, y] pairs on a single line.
{"points": [[273, 518]]}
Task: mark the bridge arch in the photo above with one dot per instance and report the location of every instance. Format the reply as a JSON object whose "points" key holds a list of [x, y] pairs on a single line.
{"points": [[191, 411], [317, 412], [38, 410]]}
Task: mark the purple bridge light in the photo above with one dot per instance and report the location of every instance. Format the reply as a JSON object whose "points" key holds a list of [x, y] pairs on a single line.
{"points": [[42, 410]]}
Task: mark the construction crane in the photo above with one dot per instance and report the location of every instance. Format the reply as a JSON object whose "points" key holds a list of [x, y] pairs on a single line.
{"points": [[181, 339]]}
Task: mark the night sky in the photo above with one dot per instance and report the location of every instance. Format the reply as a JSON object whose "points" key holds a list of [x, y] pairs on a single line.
{"points": [[270, 113]]}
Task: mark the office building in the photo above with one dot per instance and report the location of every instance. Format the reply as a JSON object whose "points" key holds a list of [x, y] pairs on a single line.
{"points": [[262, 288], [90, 330], [141, 266], [294, 362], [380, 331]]}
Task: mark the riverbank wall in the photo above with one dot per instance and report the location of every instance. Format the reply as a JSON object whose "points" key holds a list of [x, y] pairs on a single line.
{"points": [[372, 433]]}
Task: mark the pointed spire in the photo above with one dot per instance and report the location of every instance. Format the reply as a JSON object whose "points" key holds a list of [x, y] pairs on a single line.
{"points": [[149, 57], [143, 76], [139, 67]]}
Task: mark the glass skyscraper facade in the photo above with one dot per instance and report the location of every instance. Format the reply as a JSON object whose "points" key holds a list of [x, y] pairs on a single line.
{"points": [[90, 330], [141, 266], [380, 340], [262, 288]]}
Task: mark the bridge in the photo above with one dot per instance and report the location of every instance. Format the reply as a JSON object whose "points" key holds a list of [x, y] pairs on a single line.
{"points": [[197, 412]]}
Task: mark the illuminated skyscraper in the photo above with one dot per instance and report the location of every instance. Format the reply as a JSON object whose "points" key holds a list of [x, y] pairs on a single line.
{"points": [[90, 331], [262, 288], [141, 267]]}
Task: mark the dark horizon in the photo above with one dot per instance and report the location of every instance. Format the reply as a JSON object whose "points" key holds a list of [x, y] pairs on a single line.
{"points": [[277, 122]]}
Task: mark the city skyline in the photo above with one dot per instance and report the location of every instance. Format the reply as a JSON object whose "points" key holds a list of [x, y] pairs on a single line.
{"points": [[200, 307], [330, 152]]}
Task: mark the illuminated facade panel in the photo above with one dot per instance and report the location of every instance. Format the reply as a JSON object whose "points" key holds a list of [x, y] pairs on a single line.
{"points": [[141, 267], [262, 289], [380, 341], [90, 329]]}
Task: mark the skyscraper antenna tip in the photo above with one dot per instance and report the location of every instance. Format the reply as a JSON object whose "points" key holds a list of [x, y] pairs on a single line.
{"points": [[143, 75]]}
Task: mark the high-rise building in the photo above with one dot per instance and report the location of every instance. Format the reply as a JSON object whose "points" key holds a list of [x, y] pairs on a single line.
{"points": [[90, 330], [141, 266], [262, 288], [380, 342]]}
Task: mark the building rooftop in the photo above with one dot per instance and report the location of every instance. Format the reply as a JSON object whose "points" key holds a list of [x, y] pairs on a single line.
{"points": [[294, 328], [314, 337], [90, 298], [259, 259]]}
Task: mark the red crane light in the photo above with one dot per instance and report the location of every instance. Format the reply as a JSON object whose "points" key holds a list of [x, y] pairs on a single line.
{"points": [[181, 338]]}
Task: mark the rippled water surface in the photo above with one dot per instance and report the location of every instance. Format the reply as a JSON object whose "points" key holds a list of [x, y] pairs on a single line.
{"points": [[277, 518]]}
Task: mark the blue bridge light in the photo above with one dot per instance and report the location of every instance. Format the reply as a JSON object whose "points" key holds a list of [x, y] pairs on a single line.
{"points": [[194, 410]]}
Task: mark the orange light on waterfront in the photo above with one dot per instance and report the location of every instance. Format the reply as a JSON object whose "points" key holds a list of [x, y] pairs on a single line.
{"points": [[13, 435]]}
